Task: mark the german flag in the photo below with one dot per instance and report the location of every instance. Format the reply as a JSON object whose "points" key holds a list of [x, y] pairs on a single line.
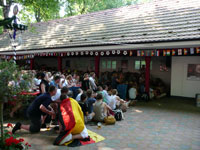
{"points": [[71, 119]]}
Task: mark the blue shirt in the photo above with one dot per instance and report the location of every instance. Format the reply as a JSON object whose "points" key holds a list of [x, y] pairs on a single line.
{"points": [[34, 108], [90, 101], [52, 83]]}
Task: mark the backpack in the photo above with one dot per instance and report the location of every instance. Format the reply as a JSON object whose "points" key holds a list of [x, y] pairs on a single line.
{"points": [[118, 115], [109, 120]]}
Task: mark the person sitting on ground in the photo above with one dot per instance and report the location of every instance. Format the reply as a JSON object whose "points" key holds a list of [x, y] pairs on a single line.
{"points": [[71, 121], [116, 101], [106, 97], [80, 92], [99, 90], [39, 107], [56, 82], [90, 100], [132, 94], [101, 109], [84, 106], [44, 85]]}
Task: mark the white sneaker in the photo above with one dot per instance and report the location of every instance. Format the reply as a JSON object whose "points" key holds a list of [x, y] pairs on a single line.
{"points": [[66, 139]]}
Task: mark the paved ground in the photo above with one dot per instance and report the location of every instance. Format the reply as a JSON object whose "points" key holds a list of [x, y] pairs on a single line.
{"points": [[167, 124]]}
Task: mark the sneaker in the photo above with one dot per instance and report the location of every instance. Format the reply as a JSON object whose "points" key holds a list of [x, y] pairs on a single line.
{"points": [[66, 139], [16, 127]]}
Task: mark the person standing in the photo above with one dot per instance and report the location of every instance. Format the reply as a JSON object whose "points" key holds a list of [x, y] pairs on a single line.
{"points": [[44, 85], [92, 81], [39, 107]]}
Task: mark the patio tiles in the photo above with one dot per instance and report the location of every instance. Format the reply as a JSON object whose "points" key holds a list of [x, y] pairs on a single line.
{"points": [[150, 128]]}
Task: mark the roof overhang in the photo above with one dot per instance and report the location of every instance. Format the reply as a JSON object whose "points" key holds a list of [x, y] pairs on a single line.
{"points": [[144, 46]]}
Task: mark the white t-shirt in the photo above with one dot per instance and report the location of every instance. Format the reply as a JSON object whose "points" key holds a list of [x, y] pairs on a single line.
{"points": [[57, 96], [65, 83], [36, 81], [106, 96], [132, 93], [78, 97], [113, 102], [92, 83]]}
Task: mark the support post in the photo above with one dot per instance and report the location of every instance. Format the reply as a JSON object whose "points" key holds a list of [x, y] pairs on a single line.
{"points": [[31, 64], [59, 64], [97, 62], [147, 73]]}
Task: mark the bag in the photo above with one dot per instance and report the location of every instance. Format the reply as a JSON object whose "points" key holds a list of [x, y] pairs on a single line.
{"points": [[118, 115], [109, 120]]}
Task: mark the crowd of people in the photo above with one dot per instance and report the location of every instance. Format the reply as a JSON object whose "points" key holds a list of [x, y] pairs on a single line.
{"points": [[81, 99]]}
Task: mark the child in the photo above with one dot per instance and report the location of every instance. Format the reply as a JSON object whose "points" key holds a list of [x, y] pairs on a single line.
{"points": [[106, 97], [90, 100], [84, 106], [116, 101]]}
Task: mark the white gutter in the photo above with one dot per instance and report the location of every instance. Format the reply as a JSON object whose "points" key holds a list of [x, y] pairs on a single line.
{"points": [[145, 46]]}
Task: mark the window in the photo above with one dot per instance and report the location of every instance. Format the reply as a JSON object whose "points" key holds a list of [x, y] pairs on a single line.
{"points": [[140, 63], [137, 65], [114, 65], [109, 64], [104, 64]]}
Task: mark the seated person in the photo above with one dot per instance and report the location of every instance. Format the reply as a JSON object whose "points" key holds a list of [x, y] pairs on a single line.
{"points": [[101, 109], [99, 90], [56, 82], [105, 94], [90, 100], [85, 109], [71, 121], [39, 107], [132, 92], [116, 101], [80, 92]]}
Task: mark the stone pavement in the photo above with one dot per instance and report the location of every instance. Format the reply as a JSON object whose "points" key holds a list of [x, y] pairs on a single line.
{"points": [[158, 125]]}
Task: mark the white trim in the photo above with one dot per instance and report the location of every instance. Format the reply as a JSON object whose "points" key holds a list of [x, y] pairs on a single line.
{"points": [[145, 46]]}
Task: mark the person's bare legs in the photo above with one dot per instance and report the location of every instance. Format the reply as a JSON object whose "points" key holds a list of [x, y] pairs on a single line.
{"points": [[77, 136], [25, 127]]}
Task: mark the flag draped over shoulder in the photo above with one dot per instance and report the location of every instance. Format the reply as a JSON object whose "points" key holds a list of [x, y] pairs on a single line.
{"points": [[71, 118]]}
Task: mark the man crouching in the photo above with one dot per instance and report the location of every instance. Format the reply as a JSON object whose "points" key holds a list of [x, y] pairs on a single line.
{"points": [[37, 110]]}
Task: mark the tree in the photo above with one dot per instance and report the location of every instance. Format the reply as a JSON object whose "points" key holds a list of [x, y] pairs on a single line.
{"points": [[75, 7], [41, 10], [9, 71]]}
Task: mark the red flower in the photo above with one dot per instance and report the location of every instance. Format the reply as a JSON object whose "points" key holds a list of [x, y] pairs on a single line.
{"points": [[15, 141], [21, 140], [28, 144], [9, 125], [9, 141]]}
